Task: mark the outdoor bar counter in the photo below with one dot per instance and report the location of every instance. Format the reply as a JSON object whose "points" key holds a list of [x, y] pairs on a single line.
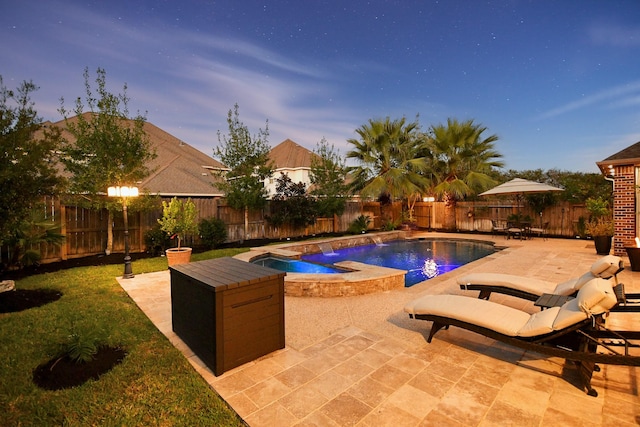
{"points": [[229, 312]]}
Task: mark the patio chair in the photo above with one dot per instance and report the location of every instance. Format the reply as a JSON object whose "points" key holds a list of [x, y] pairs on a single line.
{"points": [[573, 331], [531, 289], [498, 227], [540, 231], [514, 230]]}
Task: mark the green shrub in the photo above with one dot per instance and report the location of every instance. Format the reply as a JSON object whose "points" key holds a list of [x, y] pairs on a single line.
{"points": [[156, 240], [213, 232], [360, 224], [390, 225]]}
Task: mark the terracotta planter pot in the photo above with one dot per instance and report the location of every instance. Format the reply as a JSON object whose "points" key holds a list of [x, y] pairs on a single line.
{"points": [[634, 257], [177, 256]]}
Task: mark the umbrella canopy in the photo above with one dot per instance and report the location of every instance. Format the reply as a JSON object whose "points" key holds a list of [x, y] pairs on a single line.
{"points": [[520, 186]]}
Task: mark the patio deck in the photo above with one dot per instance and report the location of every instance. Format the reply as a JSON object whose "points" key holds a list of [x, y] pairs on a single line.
{"points": [[360, 361]]}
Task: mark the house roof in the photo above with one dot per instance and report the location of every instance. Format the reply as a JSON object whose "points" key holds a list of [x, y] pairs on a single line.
{"points": [[178, 170], [627, 156], [290, 155]]}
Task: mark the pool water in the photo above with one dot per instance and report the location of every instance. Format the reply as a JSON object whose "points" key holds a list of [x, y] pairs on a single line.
{"points": [[297, 266], [422, 259]]}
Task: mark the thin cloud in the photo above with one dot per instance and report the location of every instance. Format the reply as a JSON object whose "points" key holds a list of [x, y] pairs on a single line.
{"points": [[618, 95], [614, 35], [258, 54]]}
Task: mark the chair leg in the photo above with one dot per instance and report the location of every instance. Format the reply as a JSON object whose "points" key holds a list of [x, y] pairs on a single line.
{"points": [[435, 328]]}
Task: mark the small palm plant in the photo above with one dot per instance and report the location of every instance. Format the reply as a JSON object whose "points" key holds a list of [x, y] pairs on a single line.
{"points": [[360, 224], [79, 348], [26, 240]]}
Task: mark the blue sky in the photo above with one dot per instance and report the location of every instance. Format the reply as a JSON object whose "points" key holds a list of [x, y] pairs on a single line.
{"points": [[557, 81]]}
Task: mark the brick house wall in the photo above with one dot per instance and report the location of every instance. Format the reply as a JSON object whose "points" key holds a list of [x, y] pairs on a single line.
{"points": [[624, 208]]}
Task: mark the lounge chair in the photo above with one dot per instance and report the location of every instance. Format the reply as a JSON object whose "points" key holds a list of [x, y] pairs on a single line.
{"points": [[531, 289], [573, 331]]}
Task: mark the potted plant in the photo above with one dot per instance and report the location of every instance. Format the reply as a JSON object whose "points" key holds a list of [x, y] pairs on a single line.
{"points": [[600, 224], [178, 220]]}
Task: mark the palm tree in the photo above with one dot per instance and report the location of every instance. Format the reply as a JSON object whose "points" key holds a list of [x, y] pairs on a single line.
{"points": [[389, 167], [460, 161]]}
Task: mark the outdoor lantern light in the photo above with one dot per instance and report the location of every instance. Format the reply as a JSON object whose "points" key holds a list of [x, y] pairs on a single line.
{"points": [[125, 192], [122, 191]]}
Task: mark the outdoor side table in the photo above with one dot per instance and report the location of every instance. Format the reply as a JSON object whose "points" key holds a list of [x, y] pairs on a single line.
{"points": [[229, 312], [551, 300]]}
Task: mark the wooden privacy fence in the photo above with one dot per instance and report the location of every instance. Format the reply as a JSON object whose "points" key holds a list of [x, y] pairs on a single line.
{"points": [[562, 219], [86, 229]]}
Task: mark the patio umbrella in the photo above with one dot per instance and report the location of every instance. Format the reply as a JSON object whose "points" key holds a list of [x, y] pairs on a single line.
{"points": [[519, 186]]}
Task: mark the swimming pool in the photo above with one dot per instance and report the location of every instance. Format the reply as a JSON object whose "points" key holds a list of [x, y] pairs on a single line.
{"points": [[297, 266], [422, 259]]}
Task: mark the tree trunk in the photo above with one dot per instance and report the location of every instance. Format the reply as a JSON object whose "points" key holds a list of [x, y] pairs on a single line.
{"points": [[109, 247], [246, 223], [449, 213]]}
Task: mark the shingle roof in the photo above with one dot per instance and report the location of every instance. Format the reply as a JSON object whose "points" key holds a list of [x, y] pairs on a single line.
{"points": [[627, 156], [178, 170], [631, 152], [289, 154]]}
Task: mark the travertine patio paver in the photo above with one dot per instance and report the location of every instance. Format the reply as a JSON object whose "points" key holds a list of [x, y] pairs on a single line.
{"points": [[361, 361]]}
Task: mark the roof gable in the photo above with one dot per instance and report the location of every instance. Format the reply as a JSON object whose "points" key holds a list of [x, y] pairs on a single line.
{"points": [[289, 155]]}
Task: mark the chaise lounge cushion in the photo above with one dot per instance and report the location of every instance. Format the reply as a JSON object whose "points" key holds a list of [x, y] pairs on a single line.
{"points": [[540, 323], [501, 318], [604, 267], [595, 297], [527, 284]]}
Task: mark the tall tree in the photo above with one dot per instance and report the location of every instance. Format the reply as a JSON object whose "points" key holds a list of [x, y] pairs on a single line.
{"points": [[389, 165], [329, 178], [247, 160], [27, 158], [460, 161], [291, 204], [107, 148]]}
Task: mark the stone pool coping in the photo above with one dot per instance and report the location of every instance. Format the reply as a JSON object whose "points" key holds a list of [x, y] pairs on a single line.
{"points": [[363, 279]]}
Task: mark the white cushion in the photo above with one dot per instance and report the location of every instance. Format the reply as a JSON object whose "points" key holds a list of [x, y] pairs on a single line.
{"points": [[571, 286], [527, 284], [596, 297], [539, 323], [606, 266], [500, 318], [569, 314]]}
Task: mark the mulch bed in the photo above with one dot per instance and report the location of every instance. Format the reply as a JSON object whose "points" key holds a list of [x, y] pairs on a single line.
{"points": [[58, 374], [23, 299]]}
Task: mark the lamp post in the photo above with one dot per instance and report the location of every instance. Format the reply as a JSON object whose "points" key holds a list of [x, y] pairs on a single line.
{"points": [[124, 192]]}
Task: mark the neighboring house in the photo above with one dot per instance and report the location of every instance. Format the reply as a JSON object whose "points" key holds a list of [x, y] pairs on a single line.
{"points": [[623, 169], [178, 170], [293, 160]]}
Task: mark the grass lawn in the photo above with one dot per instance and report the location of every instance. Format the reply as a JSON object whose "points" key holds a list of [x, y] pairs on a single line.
{"points": [[154, 385]]}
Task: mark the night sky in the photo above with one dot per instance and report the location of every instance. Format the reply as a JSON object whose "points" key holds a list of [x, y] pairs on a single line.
{"points": [[557, 81]]}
